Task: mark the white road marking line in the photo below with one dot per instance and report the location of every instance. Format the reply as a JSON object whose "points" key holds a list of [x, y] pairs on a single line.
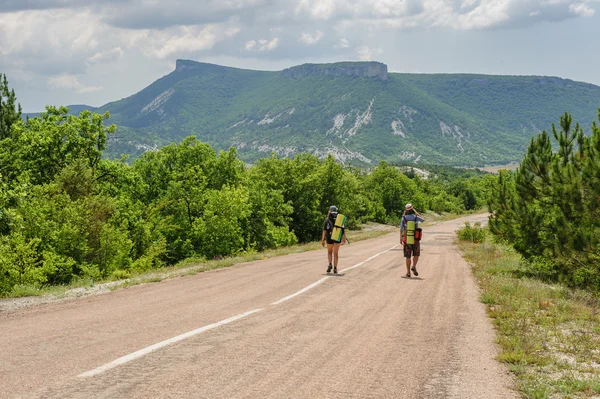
{"points": [[368, 260], [152, 348], [302, 291], [313, 285]]}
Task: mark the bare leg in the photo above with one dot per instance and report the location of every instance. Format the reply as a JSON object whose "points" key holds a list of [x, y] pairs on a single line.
{"points": [[415, 261], [407, 265], [336, 250], [329, 253]]}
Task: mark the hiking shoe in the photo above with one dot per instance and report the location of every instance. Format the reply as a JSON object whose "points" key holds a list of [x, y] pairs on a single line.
{"points": [[335, 270], [329, 268], [414, 270]]}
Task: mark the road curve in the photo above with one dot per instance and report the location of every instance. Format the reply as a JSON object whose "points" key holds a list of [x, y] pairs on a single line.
{"points": [[276, 328]]}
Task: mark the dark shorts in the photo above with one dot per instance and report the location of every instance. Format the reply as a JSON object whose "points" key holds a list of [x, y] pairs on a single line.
{"points": [[412, 249], [330, 241]]}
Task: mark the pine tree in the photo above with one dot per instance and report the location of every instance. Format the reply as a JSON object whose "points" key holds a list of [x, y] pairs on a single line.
{"points": [[10, 112], [552, 212]]}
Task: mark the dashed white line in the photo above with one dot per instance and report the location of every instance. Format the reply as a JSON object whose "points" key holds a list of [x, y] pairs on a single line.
{"points": [[302, 291], [368, 260], [152, 348], [313, 285]]}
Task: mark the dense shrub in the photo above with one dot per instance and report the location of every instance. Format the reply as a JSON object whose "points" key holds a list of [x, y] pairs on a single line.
{"points": [[474, 233]]}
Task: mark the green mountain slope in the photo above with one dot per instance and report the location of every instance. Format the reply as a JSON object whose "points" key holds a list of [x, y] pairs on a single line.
{"points": [[355, 111]]}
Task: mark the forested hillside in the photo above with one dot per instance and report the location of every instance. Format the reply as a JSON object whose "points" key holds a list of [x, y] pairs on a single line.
{"points": [[358, 112]]}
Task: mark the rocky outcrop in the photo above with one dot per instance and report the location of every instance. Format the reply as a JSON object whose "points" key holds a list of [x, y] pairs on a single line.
{"points": [[361, 69]]}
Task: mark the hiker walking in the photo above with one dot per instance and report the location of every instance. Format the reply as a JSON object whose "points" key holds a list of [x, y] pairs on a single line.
{"points": [[410, 238], [333, 243]]}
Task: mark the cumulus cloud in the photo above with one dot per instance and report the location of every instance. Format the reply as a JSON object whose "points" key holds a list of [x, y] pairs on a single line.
{"points": [[582, 9], [368, 54], [188, 39], [54, 42], [266, 45], [106, 56], [343, 43], [262, 45], [456, 14], [144, 14], [70, 82], [309, 39], [320, 9]]}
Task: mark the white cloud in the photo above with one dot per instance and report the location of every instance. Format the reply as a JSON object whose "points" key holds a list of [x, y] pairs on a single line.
{"points": [[262, 44], [582, 10], [368, 54], [145, 14], [344, 43], [269, 46], [233, 31], [319, 9], [188, 39], [309, 39], [70, 82], [105, 56], [455, 14]]}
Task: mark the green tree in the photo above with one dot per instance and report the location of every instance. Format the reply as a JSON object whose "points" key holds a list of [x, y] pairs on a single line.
{"points": [[10, 111], [42, 147], [549, 210], [390, 189]]}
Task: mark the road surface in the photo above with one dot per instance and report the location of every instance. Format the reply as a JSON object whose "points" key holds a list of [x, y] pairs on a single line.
{"points": [[276, 328]]}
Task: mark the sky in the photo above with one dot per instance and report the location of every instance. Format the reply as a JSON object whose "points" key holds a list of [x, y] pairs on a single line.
{"points": [[63, 52]]}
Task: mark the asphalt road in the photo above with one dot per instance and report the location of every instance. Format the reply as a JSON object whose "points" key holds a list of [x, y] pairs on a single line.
{"points": [[277, 328]]}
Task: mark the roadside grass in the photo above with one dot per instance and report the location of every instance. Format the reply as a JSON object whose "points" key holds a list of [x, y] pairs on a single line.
{"points": [[549, 334], [124, 279]]}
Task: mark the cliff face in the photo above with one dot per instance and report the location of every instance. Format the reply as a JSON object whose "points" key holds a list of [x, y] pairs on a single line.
{"points": [[361, 69], [375, 70]]}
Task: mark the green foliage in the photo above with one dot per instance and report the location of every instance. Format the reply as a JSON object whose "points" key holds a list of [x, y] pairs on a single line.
{"points": [[219, 232], [390, 190], [41, 147], [549, 208], [474, 233], [10, 112]]}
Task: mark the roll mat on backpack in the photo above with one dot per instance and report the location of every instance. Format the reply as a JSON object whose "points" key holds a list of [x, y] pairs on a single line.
{"points": [[338, 228]]}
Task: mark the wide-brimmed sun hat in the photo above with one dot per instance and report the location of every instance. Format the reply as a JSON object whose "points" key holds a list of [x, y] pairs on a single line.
{"points": [[408, 207]]}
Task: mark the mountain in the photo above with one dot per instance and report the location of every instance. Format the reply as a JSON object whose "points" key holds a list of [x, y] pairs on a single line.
{"points": [[73, 109], [357, 111]]}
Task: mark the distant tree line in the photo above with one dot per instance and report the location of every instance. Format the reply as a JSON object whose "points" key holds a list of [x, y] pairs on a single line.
{"points": [[549, 209], [68, 213]]}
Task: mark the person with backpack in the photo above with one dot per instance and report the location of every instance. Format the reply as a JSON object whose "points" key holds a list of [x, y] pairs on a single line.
{"points": [[333, 246], [410, 238]]}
